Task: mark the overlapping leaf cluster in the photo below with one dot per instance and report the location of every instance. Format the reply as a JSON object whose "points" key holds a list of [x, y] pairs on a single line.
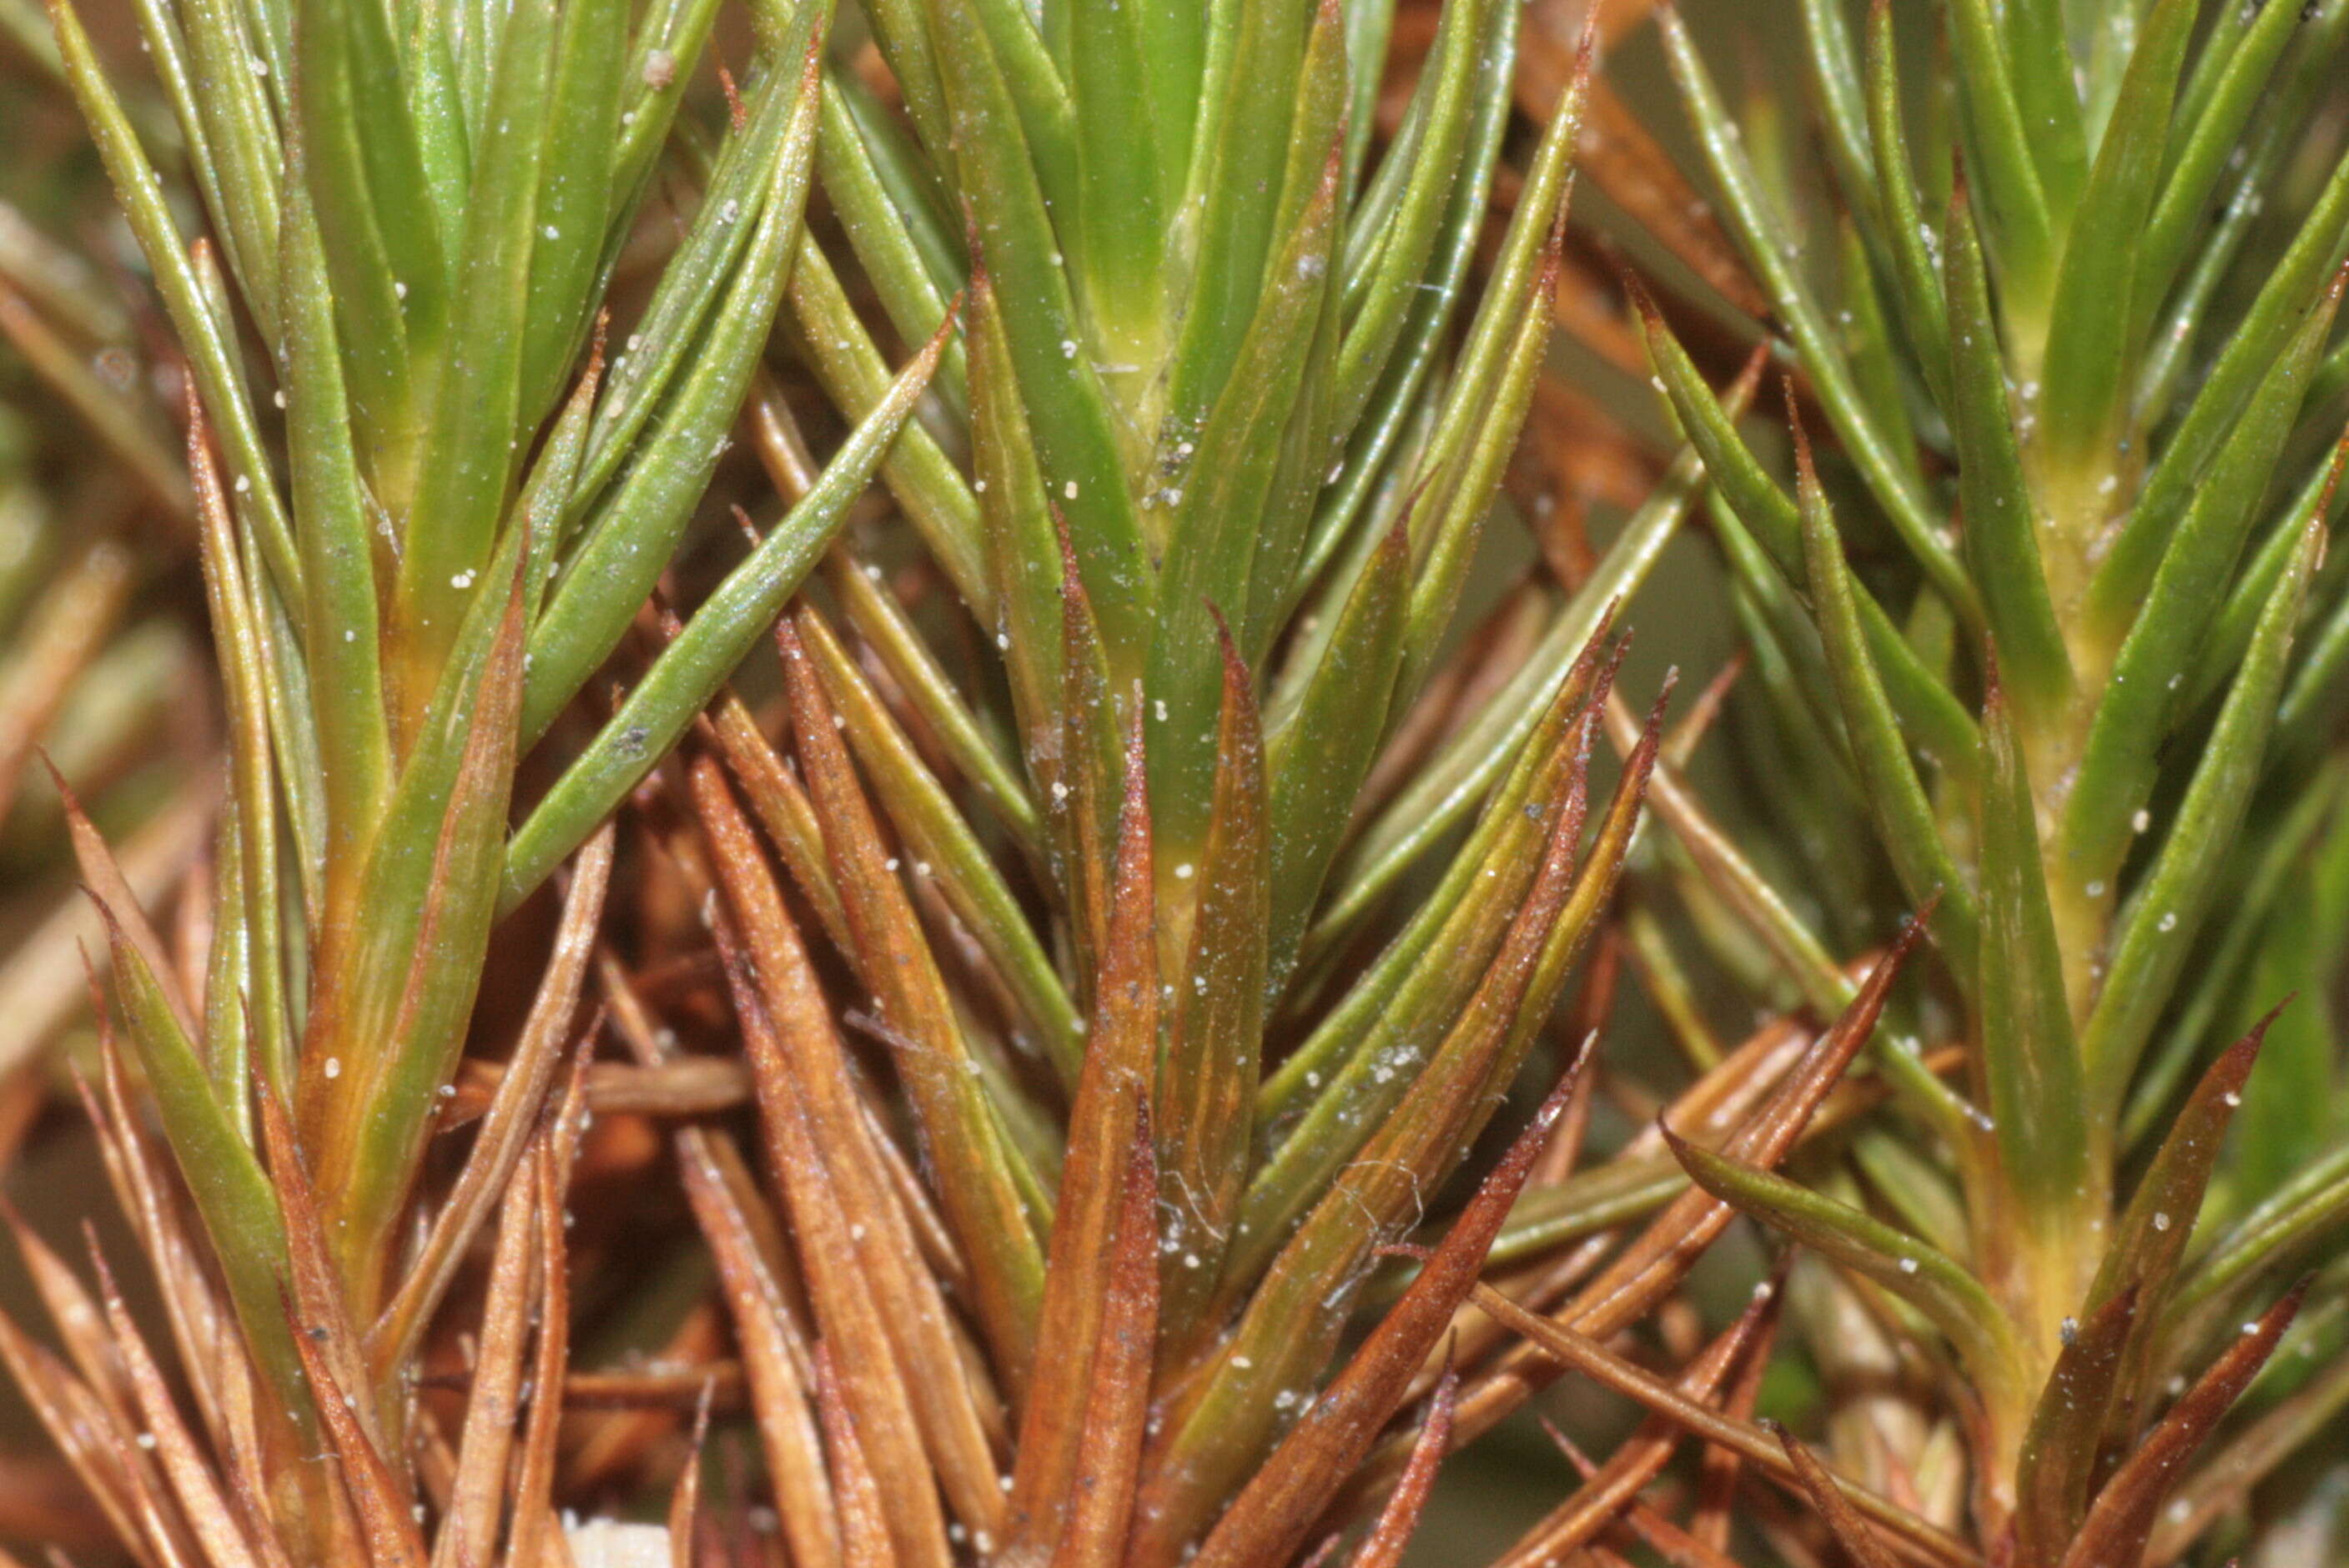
{"points": [[426, 513], [2055, 613], [1122, 906], [1210, 453]]}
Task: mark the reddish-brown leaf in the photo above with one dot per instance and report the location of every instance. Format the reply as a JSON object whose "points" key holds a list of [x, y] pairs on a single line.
{"points": [[514, 1111], [953, 1413], [202, 1503], [787, 1434], [1117, 1414], [1579, 1520], [980, 1190], [492, 1407], [1572, 1349], [873, 1382], [1208, 1074], [2122, 1517], [1400, 1519], [1276, 1512], [1645, 1272], [1843, 1521], [863, 1531], [1121, 1049], [387, 1527]]}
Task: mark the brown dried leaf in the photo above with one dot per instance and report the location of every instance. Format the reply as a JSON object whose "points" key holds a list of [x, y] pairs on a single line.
{"points": [[386, 1527], [521, 1088], [951, 1411], [980, 1189], [1579, 1520], [779, 1399], [1843, 1521], [1585, 1353], [864, 1530], [874, 1382], [534, 1520], [477, 1497], [214, 1527], [1662, 1254]]}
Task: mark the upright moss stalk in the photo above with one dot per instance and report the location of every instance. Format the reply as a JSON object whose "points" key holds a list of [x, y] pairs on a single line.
{"points": [[2104, 431]]}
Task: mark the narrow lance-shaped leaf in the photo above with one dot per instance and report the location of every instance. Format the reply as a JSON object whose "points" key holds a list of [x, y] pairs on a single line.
{"points": [[389, 1531], [1574, 1348], [1285, 1497], [984, 1192], [501, 1144], [1083, 766], [735, 186], [386, 1031], [1843, 1521], [218, 374], [2142, 704], [2294, 284], [839, 1291], [2206, 133], [576, 198], [1022, 555], [810, 1520], [2062, 1446], [1468, 461], [945, 848], [1888, 779], [689, 671], [239, 640], [1400, 1519], [810, 1064], [1444, 105], [1211, 551], [2019, 216], [356, 164], [971, 745], [1120, 235], [1937, 722], [2124, 1512], [1928, 1279], [2149, 1239], [1072, 1325], [1408, 387], [1207, 1075], [468, 456], [1117, 1408], [895, 223], [1766, 252], [2002, 534], [343, 629], [1066, 403], [1318, 757], [208, 1512], [1915, 275], [1247, 135], [2162, 916], [2029, 1064], [628, 540], [233, 1194], [1362, 1057], [2091, 319], [1290, 1326], [837, 346], [1606, 1491]]}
